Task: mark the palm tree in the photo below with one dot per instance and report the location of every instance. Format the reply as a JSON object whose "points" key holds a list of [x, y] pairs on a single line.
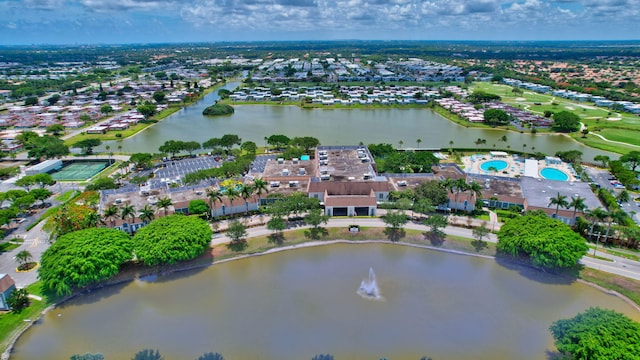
{"points": [[474, 188], [110, 213], [128, 210], [450, 146], [524, 146], [594, 215], [260, 186], [460, 185], [559, 200], [577, 204], [245, 192], [503, 139], [623, 196], [400, 143], [164, 203], [93, 219], [418, 142], [147, 214], [108, 152], [214, 195], [613, 215], [23, 257]]}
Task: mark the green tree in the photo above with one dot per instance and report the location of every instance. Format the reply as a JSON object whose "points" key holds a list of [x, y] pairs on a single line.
{"points": [[146, 214], [43, 180], [436, 223], [53, 99], [632, 159], [40, 194], [603, 159], [547, 242], [141, 160], [110, 213], [395, 221], [23, 257], [148, 354], [159, 97], [496, 117], [559, 200], [214, 195], [479, 234], [278, 141], [211, 356], [577, 204], [227, 141], [83, 258], [198, 207], [31, 101], [315, 218], [26, 182], [597, 334], [170, 239], [87, 145], [106, 109], [55, 129], [147, 109], [87, 356], [306, 142], [128, 211], [18, 300], [237, 232], [164, 203], [277, 225], [565, 121]]}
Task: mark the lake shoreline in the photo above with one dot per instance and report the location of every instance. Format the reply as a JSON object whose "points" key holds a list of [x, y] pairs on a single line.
{"points": [[207, 259]]}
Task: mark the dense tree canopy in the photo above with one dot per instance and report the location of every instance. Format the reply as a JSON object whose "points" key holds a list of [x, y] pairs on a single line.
{"points": [[566, 121], [218, 109], [82, 258], [597, 334], [496, 117], [548, 243], [171, 239]]}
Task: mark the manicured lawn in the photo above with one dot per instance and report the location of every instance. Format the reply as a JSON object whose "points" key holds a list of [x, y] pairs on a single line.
{"points": [[11, 323], [622, 135]]}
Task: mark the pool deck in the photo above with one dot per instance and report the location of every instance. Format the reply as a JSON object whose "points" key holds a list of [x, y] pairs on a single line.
{"points": [[515, 166]]}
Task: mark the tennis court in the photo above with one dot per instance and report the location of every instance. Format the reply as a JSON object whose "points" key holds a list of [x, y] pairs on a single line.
{"points": [[79, 171]]}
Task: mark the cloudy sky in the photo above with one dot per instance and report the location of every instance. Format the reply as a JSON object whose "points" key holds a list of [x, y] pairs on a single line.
{"points": [[151, 21]]}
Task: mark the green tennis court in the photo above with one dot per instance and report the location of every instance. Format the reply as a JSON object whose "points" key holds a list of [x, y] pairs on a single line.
{"points": [[79, 170]]}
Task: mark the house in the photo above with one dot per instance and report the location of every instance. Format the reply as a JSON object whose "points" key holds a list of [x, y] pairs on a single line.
{"points": [[7, 286]]}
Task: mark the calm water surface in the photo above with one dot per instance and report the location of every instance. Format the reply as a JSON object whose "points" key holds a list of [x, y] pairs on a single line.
{"points": [[295, 304], [336, 127]]}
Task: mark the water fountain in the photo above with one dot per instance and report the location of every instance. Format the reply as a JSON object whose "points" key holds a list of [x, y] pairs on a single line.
{"points": [[369, 287]]}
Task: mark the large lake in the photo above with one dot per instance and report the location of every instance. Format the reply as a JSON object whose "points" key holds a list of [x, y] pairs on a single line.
{"points": [[337, 127], [292, 305]]}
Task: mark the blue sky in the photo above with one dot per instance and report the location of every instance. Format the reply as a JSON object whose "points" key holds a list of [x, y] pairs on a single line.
{"points": [[26, 22]]}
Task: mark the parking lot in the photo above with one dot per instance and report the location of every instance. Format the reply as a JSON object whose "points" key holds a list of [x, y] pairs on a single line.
{"points": [[172, 171], [604, 179]]}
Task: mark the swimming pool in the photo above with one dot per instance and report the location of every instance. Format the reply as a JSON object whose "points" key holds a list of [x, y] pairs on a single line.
{"points": [[305, 158], [554, 174], [497, 164]]}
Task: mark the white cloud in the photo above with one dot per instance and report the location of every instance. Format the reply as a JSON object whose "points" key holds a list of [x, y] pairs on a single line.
{"points": [[126, 5]]}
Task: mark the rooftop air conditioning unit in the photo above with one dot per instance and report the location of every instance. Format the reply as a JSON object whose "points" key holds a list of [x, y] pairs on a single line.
{"points": [[280, 160], [285, 172]]}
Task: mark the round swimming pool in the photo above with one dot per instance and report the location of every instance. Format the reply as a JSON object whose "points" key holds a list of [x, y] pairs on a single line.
{"points": [[497, 164], [553, 174]]}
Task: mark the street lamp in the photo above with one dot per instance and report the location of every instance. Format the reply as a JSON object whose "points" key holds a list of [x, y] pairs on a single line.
{"points": [[597, 240]]}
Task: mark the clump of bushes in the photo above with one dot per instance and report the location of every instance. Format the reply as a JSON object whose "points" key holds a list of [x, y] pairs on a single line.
{"points": [[218, 109]]}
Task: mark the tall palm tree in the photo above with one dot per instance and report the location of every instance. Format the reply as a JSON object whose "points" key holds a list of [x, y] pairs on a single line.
{"points": [[231, 194], [245, 192], [164, 203], [474, 188], [559, 200], [128, 211], [419, 141], [577, 204], [595, 215], [450, 146], [460, 185], [524, 146], [214, 195], [260, 186], [147, 214], [400, 143], [613, 215], [110, 213]]}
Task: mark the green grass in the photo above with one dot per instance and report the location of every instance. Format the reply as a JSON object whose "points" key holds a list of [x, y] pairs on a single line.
{"points": [[11, 323], [67, 195], [8, 246], [621, 135]]}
